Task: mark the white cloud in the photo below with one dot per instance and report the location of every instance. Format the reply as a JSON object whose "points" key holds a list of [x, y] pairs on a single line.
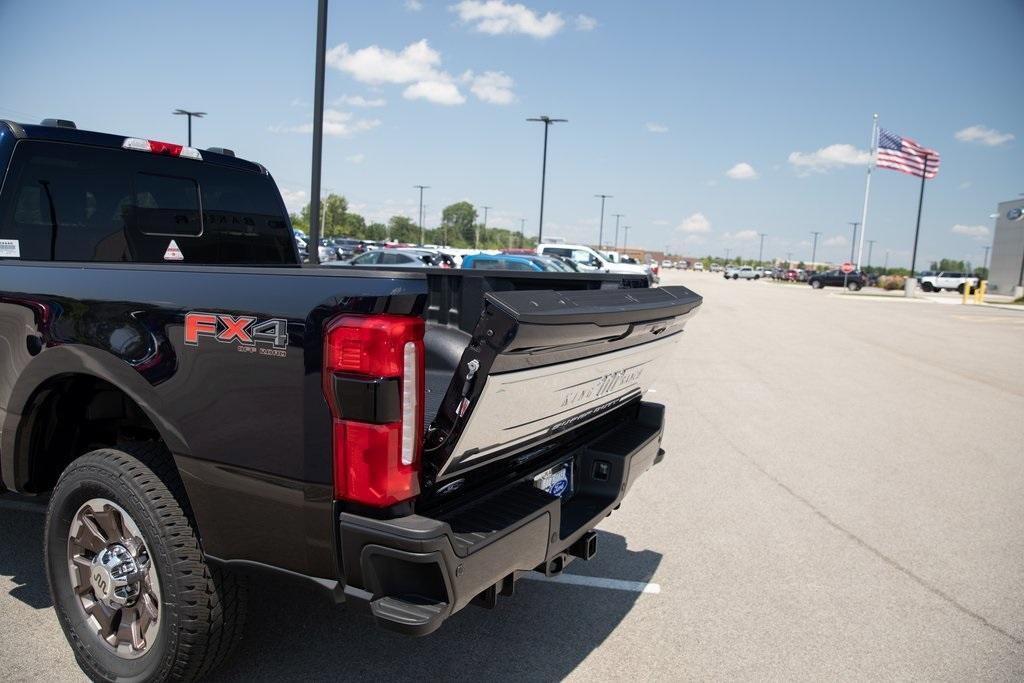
{"points": [[294, 200], [694, 239], [695, 223], [978, 232], [376, 65], [438, 92], [585, 23], [418, 66], [986, 136], [336, 123], [742, 236], [836, 241], [742, 171], [497, 17], [964, 185], [656, 127], [355, 158], [494, 87], [826, 158], [413, 5], [360, 101]]}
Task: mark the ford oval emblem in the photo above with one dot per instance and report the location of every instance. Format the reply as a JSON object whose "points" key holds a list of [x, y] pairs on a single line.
{"points": [[1015, 213], [558, 488]]}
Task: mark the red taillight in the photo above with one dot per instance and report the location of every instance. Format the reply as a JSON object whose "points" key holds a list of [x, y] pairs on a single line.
{"points": [[376, 464]]}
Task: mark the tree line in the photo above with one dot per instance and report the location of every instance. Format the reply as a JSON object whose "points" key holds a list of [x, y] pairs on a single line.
{"points": [[460, 227]]}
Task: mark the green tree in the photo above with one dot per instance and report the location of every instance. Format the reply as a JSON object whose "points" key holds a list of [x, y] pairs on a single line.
{"points": [[458, 222], [376, 231], [402, 229]]}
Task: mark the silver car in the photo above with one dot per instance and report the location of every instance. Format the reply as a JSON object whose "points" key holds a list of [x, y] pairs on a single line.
{"points": [[394, 258]]}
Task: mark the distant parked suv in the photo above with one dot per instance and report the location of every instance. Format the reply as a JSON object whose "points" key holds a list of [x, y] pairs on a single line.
{"points": [[947, 280], [836, 278], [744, 273]]}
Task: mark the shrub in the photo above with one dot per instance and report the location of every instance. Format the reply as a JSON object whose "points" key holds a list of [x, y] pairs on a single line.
{"points": [[890, 282]]}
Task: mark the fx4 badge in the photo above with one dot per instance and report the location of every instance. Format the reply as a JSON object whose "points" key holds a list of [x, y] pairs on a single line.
{"points": [[267, 337]]}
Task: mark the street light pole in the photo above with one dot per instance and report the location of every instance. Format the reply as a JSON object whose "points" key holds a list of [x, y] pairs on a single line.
{"points": [[313, 246], [985, 260], [871, 244], [600, 234], [547, 121], [854, 242], [814, 249], [617, 217], [423, 238], [522, 230], [190, 115], [727, 251], [625, 238], [760, 253], [476, 240]]}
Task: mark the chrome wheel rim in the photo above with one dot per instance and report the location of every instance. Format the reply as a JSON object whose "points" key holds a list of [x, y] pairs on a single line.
{"points": [[113, 577]]}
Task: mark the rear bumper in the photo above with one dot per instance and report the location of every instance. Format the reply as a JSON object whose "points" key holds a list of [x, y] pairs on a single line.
{"points": [[414, 572]]}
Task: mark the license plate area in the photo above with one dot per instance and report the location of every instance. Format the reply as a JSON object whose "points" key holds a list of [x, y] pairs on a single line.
{"points": [[557, 480]]}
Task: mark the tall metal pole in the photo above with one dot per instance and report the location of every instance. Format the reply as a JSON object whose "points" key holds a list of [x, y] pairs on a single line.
{"points": [[625, 238], [886, 266], [600, 234], [318, 132], [727, 255], [867, 188], [917, 227], [871, 245], [760, 253], [814, 249], [985, 260], [189, 114], [423, 237], [476, 239], [522, 230], [617, 217], [854, 242], [547, 121]]}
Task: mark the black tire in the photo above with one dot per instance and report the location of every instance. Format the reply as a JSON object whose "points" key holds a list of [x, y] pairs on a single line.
{"points": [[757, 277], [201, 611], [815, 284], [960, 289], [927, 286], [853, 286]]}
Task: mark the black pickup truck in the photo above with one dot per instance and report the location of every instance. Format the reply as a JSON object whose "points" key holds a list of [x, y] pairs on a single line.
{"points": [[197, 405]]}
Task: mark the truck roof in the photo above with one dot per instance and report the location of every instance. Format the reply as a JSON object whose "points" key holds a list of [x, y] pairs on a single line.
{"points": [[61, 133]]}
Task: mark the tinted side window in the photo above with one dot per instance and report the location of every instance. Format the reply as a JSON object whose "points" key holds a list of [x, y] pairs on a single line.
{"points": [[559, 251], [69, 202]]}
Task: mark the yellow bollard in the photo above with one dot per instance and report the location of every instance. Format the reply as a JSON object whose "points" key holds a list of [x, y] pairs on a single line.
{"points": [[967, 291], [979, 294]]}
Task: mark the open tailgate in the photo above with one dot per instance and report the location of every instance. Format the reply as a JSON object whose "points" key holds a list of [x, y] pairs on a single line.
{"points": [[542, 363]]}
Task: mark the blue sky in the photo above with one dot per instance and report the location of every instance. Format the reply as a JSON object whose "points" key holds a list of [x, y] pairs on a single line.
{"points": [[664, 99]]}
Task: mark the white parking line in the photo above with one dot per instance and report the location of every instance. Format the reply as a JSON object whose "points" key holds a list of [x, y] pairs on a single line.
{"points": [[596, 582]]}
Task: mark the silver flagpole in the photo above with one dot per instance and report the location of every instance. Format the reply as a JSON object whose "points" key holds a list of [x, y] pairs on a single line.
{"points": [[867, 190]]}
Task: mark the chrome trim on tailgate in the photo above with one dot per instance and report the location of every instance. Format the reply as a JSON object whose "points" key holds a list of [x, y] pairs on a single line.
{"points": [[525, 407]]}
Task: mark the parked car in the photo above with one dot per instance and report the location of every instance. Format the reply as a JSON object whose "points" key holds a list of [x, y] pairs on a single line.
{"points": [[666, 263], [531, 262], [742, 273], [589, 260], [699, 266], [396, 258], [837, 278], [187, 421], [947, 280]]}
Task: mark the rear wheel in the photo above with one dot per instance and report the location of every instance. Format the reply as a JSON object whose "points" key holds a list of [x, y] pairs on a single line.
{"points": [[131, 588], [927, 286], [960, 289], [853, 286], [815, 284]]}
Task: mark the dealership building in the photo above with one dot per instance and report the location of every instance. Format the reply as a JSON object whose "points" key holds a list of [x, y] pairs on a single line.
{"points": [[1007, 248]]}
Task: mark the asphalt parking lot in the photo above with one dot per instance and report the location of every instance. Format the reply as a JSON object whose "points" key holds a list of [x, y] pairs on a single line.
{"points": [[842, 498]]}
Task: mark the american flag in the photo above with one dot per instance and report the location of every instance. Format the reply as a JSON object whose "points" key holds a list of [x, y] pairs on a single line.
{"points": [[906, 156]]}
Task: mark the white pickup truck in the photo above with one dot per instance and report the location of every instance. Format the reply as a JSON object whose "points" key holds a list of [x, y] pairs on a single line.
{"points": [[947, 280], [742, 273]]}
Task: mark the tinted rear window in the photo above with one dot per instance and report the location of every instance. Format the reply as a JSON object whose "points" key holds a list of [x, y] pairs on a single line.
{"points": [[68, 202]]}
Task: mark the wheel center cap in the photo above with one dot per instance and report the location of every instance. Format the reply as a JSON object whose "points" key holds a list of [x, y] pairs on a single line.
{"points": [[114, 576]]}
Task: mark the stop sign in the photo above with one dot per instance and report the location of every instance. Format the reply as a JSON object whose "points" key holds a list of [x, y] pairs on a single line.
{"points": [[847, 267]]}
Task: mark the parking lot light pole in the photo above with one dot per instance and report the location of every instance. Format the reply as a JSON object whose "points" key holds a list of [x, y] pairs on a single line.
{"points": [[422, 232], [814, 249], [190, 115], [615, 247], [313, 247], [600, 234], [760, 252], [476, 241], [871, 245], [854, 242], [547, 121], [625, 238]]}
